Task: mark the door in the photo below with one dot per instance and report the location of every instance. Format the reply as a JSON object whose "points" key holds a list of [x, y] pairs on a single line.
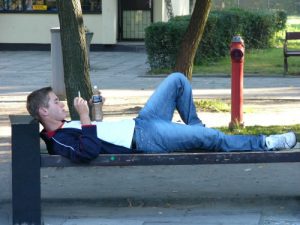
{"points": [[134, 17]]}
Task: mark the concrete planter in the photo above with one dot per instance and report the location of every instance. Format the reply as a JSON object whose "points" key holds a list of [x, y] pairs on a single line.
{"points": [[58, 83]]}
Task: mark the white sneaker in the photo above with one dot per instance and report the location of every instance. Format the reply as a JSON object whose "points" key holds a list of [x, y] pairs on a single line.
{"points": [[281, 141]]}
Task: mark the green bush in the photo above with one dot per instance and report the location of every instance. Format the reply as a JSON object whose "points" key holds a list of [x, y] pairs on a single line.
{"points": [[162, 41], [257, 28]]}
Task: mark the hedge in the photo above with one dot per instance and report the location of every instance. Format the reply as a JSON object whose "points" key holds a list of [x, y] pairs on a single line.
{"points": [[257, 28]]}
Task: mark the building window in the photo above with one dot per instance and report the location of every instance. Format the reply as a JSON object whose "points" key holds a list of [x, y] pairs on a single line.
{"points": [[88, 6], [135, 22], [91, 5]]}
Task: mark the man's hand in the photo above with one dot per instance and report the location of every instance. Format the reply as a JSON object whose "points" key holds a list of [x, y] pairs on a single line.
{"points": [[82, 108]]}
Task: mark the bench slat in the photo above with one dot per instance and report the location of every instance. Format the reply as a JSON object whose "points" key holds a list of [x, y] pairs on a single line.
{"points": [[292, 35], [176, 159], [292, 53], [286, 51]]}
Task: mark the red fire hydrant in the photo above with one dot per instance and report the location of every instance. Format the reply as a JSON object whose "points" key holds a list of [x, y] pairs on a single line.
{"points": [[237, 50]]}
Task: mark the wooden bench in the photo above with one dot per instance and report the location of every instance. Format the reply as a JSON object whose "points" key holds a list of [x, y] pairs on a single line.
{"points": [[27, 161], [290, 52]]}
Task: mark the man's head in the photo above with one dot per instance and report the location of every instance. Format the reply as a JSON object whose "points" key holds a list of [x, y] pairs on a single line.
{"points": [[44, 105]]}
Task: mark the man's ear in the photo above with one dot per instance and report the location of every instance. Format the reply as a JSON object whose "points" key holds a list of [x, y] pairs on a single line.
{"points": [[43, 111]]}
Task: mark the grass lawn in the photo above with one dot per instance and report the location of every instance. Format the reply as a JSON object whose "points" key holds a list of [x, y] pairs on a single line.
{"points": [[214, 105], [260, 62], [267, 130], [269, 61]]}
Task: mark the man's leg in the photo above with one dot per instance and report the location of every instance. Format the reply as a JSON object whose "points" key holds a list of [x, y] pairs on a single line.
{"points": [[158, 136], [174, 92]]}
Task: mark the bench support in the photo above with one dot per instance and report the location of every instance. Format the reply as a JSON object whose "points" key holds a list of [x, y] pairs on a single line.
{"points": [[26, 191], [286, 52], [285, 65]]}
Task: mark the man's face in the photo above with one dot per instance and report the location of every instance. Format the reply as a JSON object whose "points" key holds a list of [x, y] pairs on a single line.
{"points": [[55, 108]]}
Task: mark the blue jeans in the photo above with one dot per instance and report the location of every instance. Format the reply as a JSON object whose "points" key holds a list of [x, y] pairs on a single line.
{"points": [[156, 133]]}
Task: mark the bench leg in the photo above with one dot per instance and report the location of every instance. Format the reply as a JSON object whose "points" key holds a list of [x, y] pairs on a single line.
{"points": [[26, 190], [285, 65]]}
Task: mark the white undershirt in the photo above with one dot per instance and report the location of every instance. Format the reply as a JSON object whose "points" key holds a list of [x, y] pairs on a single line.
{"points": [[115, 132]]}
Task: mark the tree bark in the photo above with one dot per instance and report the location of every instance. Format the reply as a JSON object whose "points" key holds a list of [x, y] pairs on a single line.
{"points": [[74, 50], [192, 38]]}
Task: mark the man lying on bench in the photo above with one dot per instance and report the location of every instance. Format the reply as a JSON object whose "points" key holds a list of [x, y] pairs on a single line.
{"points": [[152, 131]]}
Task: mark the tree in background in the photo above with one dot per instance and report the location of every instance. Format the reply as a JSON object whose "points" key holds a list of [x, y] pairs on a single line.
{"points": [[74, 50], [192, 38], [169, 8]]}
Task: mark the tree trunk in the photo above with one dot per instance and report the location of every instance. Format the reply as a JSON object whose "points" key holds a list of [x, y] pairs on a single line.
{"points": [[192, 37], [74, 50]]}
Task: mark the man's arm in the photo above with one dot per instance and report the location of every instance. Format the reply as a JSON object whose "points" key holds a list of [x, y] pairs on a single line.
{"points": [[82, 108], [78, 145]]}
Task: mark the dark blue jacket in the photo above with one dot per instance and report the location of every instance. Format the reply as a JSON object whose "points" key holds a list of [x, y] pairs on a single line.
{"points": [[79, 145]]}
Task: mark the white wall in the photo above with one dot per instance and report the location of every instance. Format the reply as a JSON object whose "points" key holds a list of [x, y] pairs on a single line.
{"points": [[180, 8], [109, 31], [27, 28], [159, 13], [35, 28]]}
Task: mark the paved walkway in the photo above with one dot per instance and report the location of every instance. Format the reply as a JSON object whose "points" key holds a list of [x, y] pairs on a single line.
{"points": [[126, 85]]}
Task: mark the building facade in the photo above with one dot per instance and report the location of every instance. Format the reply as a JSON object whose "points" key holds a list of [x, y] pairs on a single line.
{"points": [[28, 22]]}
